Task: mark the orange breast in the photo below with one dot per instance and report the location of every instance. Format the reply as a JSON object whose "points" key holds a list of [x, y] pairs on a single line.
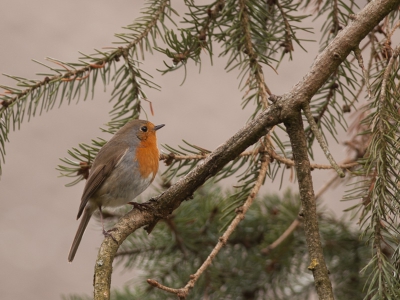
{"points": [[148, 157]]}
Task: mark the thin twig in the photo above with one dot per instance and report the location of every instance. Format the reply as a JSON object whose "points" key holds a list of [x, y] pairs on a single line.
{"points": [[178, 292], [288, 31], [335, 13], [318, 135], [182, 293], [173, 156], [288, 162], [178, 239], [390, 34], [361, 49], [255, 67], [283, 237], [296, 221], [324, 108], [395, 54], [325, 187], [203, 33], [369, 66], [138, 251], [358, 55]]}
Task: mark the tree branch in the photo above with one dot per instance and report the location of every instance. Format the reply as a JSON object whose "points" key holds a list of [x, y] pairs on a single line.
{"points": [[283, 109], [167, 158], [298, 141], [256, 68], [282, 237]]}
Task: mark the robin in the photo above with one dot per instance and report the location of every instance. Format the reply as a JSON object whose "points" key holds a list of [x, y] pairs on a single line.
{"points": [[122, 170]]}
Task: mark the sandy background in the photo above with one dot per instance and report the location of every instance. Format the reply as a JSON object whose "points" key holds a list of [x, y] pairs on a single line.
{"points": [[37, 215]]}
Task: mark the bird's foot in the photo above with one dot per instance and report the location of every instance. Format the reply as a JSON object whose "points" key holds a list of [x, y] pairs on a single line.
{"points": [[141, 206], [108, 233]]}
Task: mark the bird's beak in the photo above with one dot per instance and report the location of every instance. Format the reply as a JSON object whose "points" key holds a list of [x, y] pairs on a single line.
{"points": [[158, 127]]}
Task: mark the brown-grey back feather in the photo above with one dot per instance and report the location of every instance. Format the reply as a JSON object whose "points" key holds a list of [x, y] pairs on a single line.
{"points": [[100, 171]]}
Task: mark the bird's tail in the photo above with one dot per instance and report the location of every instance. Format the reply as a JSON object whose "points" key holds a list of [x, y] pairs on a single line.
{"points": [[87, 213]]}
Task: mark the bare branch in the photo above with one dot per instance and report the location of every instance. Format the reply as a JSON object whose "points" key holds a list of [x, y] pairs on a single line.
{"points": [[182, 293], [283, 237], [318, 266], [358, 55], [288, 162]]}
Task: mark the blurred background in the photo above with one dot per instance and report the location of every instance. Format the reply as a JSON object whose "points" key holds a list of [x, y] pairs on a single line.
{"points": [[38, 214]]}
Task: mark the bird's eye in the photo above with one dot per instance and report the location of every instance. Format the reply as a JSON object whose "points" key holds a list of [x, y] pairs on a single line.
{"points": [[143, 128]]}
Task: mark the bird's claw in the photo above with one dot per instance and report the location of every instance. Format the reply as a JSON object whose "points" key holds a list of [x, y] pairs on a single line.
{"points": [[141, 206], [108, 233]]}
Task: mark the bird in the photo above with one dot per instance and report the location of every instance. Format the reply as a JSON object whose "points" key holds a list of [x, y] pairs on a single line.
{"points": [[123, 168]]}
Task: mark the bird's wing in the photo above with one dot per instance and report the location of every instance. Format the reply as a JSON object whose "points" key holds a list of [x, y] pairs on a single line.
{"points": [[99, 173]]}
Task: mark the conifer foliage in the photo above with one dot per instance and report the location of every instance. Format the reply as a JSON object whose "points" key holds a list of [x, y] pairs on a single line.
{"points": [[240, 244]]}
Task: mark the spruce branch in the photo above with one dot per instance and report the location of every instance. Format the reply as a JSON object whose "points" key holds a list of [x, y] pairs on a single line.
{"points": [[83, 72], [288, 45], [255, 66], [169, 158], [68, 80], [290, 163], [193, 39], [366, 72], [335, 97], [204, 19], [388, 73], [338, 14], [379, 170], [148, 24], [390, 34], [335, 18], [251, 34]]}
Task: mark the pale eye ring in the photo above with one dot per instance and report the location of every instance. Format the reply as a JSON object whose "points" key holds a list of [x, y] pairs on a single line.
{"points": [[143, 128]]}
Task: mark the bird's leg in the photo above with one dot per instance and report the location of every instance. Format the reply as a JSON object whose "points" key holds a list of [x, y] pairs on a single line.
{"points": [[106, 233], [142, 206], [102, 221]]}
